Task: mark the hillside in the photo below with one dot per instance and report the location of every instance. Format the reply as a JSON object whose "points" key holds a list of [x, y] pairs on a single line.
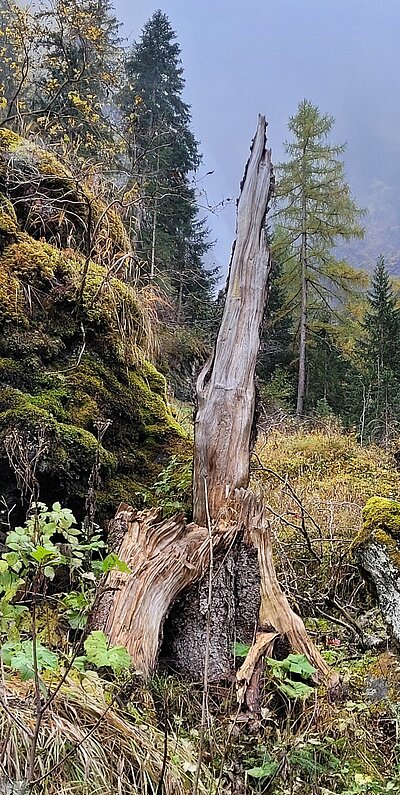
{"points": [[382, 232]]}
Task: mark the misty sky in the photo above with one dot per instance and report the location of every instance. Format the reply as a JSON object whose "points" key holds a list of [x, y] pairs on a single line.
{"points": [[264, 56]]}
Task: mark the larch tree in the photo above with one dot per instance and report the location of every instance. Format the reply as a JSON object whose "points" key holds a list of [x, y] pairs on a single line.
{"points": [[315, 210], [163, 155]]}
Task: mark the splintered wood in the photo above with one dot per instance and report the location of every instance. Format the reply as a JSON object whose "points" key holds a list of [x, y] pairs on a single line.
{"points": [[165, 556], [226, 386]]}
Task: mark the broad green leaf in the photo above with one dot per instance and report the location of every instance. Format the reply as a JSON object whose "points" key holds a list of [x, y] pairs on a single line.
{"points": [[19, 656], [9, 584], [295, 689], [11, 557], [299, 664], [99, 654], [40, 553], [241, 649], [112, 561], [267, 770]]}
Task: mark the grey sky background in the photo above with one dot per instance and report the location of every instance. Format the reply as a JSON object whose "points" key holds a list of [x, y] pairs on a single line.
{"points": [[264, 56]]}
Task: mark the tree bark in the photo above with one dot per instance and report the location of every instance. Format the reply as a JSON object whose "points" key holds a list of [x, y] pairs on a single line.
{"points": [[224, 434]]}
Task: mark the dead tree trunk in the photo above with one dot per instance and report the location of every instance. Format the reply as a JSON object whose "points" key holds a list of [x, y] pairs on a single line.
{"points": [[166, 557], [224, 420], [225, 387]]}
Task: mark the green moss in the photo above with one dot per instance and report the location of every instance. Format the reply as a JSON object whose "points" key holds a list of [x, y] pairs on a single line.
{"points": [[154, 412], [73, 195], [381, 524], [155, 380], [8, 218], [33, 260], [382, 514], [70, 337], [56, 277], [124, 488], [53, 402], [9, 141]]}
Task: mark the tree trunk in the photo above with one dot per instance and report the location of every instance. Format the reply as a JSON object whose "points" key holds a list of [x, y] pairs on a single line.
{"points": [[301, 385], [230, 533], [225, 387], [223, 437]]}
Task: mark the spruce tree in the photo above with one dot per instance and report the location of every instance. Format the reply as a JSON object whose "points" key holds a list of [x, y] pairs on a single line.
{"points": [[314, 211], [163, 154], [379, 358], [276, 335], [382, 323]]}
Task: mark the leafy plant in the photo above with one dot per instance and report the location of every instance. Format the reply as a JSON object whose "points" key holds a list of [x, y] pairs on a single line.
{"points": [[282, 671], [174, 483], [100, 654], [49, 540], [241, 649], [28, 659], [266, 770]]}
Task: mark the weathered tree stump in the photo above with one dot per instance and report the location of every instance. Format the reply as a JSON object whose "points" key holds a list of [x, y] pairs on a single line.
{"points": [[166, 557]]}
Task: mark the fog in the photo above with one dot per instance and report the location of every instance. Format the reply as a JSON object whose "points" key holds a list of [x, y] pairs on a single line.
{"points": [[264, 56]]}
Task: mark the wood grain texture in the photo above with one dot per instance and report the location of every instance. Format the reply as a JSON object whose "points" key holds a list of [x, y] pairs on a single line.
{"points": [[225, 387]]}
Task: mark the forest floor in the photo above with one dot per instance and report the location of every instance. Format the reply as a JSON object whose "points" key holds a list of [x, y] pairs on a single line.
{"points": [[149, 738]]}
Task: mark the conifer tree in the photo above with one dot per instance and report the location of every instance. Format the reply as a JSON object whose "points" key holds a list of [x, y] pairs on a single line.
{"points": [[314, 211], [379, 355], [163, 153], [276, 354], [382, 323]]}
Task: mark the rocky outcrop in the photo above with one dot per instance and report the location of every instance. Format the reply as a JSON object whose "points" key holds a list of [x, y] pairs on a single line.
{"points": [[377, 551], [74, 381]]}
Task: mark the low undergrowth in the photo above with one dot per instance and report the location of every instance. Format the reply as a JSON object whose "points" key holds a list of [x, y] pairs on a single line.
{"points": [[104, 730], [315, 485]]}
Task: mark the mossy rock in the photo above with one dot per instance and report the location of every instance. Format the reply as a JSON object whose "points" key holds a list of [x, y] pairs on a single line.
{"points": [[377, 551], [63, 204], [71, 361], [381, 514]]}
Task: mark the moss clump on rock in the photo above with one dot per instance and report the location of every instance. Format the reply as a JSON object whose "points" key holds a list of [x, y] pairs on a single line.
{"points": [[72, 364], [381, 525], [377, 551], [381, 514]]}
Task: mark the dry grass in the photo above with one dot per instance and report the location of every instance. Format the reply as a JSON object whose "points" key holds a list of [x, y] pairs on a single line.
{"points": [[316, 483], [114, 753]]}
